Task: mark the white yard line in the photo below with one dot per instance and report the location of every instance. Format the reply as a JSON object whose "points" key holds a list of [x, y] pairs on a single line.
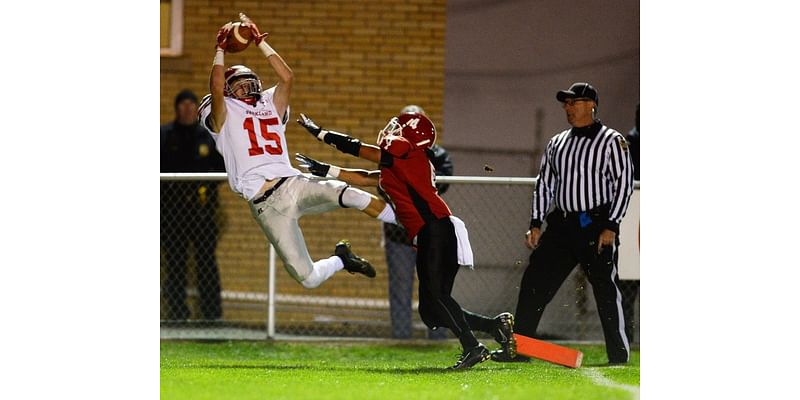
{"points": [[598, 378]]}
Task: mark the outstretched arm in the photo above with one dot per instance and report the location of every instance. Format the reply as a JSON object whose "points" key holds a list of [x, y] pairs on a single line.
{"points": [[376, 208], [217, 80], [358, 177], [343, 142], [285, 74]]}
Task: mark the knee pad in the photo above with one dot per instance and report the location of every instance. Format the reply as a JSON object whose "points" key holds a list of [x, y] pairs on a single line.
{"points": [[354, 198]]}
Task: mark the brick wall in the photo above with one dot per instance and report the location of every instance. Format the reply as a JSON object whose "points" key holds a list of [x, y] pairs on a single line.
{"points": [[356, 64]]}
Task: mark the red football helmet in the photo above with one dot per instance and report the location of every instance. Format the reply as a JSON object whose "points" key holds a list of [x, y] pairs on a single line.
{"points": [[239, 76], [414, 127]]}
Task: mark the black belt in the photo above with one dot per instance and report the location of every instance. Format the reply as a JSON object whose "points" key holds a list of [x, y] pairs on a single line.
{"points": [[601, 209], [598, 213], [270, 191]]}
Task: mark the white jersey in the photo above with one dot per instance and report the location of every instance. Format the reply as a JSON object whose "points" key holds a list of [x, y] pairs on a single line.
{"points": [[253, 143]]}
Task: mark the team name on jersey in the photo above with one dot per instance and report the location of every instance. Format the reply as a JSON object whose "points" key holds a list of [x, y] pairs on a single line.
{"points": [[261, 113]]}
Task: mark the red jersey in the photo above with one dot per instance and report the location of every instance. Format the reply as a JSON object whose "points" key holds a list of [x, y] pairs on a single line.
{"points": [[407, 176]]}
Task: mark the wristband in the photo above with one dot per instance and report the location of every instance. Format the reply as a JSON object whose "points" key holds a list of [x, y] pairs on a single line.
{"points": [[219, 57], [321, 135], [268, 51], [334, 171]]}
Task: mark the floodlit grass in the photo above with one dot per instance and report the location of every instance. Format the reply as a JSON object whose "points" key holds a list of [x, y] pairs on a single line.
{"points": [[360, 371]]}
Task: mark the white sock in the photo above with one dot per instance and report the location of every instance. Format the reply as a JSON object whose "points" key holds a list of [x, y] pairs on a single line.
{"points": [[387, 215], [323, 269]]}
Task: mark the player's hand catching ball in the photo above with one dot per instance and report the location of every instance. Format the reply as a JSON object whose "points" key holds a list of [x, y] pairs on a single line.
{"points": [[315, 167], [222, 36], [310, 126], [257, 35]]}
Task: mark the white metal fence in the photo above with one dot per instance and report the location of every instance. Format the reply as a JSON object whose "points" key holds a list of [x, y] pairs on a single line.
{"points": [[221, 279]]}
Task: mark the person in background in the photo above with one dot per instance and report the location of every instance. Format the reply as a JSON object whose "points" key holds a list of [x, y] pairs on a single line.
{"points": [[188, 212]]}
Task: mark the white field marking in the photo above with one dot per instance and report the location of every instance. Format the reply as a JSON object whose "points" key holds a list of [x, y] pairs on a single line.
{"points": [[598, 378]]}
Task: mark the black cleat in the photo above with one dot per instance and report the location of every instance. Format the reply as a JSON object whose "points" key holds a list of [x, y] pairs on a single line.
{"points": [[353, 263], [505, 334], [471, 357], [502, 356]]}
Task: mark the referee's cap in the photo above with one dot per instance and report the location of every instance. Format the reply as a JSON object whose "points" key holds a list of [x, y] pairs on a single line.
{"points": [[578, 90]]}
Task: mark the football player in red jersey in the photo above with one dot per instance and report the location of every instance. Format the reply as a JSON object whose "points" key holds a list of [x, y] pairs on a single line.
{"points": [[407, 177]]}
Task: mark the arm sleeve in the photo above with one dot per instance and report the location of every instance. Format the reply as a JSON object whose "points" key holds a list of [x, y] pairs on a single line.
{"points": [[620, 169], [543, 193]]}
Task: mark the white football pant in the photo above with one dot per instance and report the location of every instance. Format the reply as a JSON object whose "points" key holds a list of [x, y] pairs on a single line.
{"points": [[278, 215]]}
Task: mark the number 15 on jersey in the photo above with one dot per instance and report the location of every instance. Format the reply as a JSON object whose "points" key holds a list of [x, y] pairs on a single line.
{"points": [[273, 145]]}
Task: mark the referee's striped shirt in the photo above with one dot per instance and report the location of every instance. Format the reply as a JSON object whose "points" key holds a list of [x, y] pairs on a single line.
{"points": [[583, 168]]}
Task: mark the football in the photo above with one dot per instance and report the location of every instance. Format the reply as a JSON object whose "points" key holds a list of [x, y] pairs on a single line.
{"points": [[239, 38]]}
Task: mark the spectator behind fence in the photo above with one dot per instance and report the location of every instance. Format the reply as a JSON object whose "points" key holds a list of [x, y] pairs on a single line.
{"points": [[188, 212], [630, 288], [401, 257], [586, 174]]}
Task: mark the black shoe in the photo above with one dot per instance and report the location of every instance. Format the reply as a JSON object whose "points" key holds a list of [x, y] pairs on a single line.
{"points": [[502, 356], [353, 263], [505, 333], [471, 357]]}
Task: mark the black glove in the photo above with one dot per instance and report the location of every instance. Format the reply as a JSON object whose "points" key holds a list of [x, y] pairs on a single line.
{"points": [[310, 126], [315, 167]]}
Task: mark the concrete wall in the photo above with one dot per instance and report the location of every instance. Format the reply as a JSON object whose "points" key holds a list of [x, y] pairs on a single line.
{"points": [[505, 60]]}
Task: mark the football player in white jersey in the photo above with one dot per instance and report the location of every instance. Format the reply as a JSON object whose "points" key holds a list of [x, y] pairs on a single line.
{"points": [[249, 125]]}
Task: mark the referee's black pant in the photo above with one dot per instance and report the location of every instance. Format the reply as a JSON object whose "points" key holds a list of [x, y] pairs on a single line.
{"points": [[564, 244]]}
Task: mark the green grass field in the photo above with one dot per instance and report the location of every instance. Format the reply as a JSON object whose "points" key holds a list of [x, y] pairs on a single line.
{"points": [[375, 370]]}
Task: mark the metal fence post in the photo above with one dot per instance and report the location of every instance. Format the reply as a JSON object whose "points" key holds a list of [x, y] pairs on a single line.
{"points": [[271, 295]]}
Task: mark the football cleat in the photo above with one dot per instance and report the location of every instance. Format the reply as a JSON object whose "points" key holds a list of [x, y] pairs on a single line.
{"points": [[471, 357], [502, 356], [353, 263], [505, 333]]}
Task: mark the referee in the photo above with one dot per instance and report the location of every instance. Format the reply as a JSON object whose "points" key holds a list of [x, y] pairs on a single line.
{"points": [[587, 177]]}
